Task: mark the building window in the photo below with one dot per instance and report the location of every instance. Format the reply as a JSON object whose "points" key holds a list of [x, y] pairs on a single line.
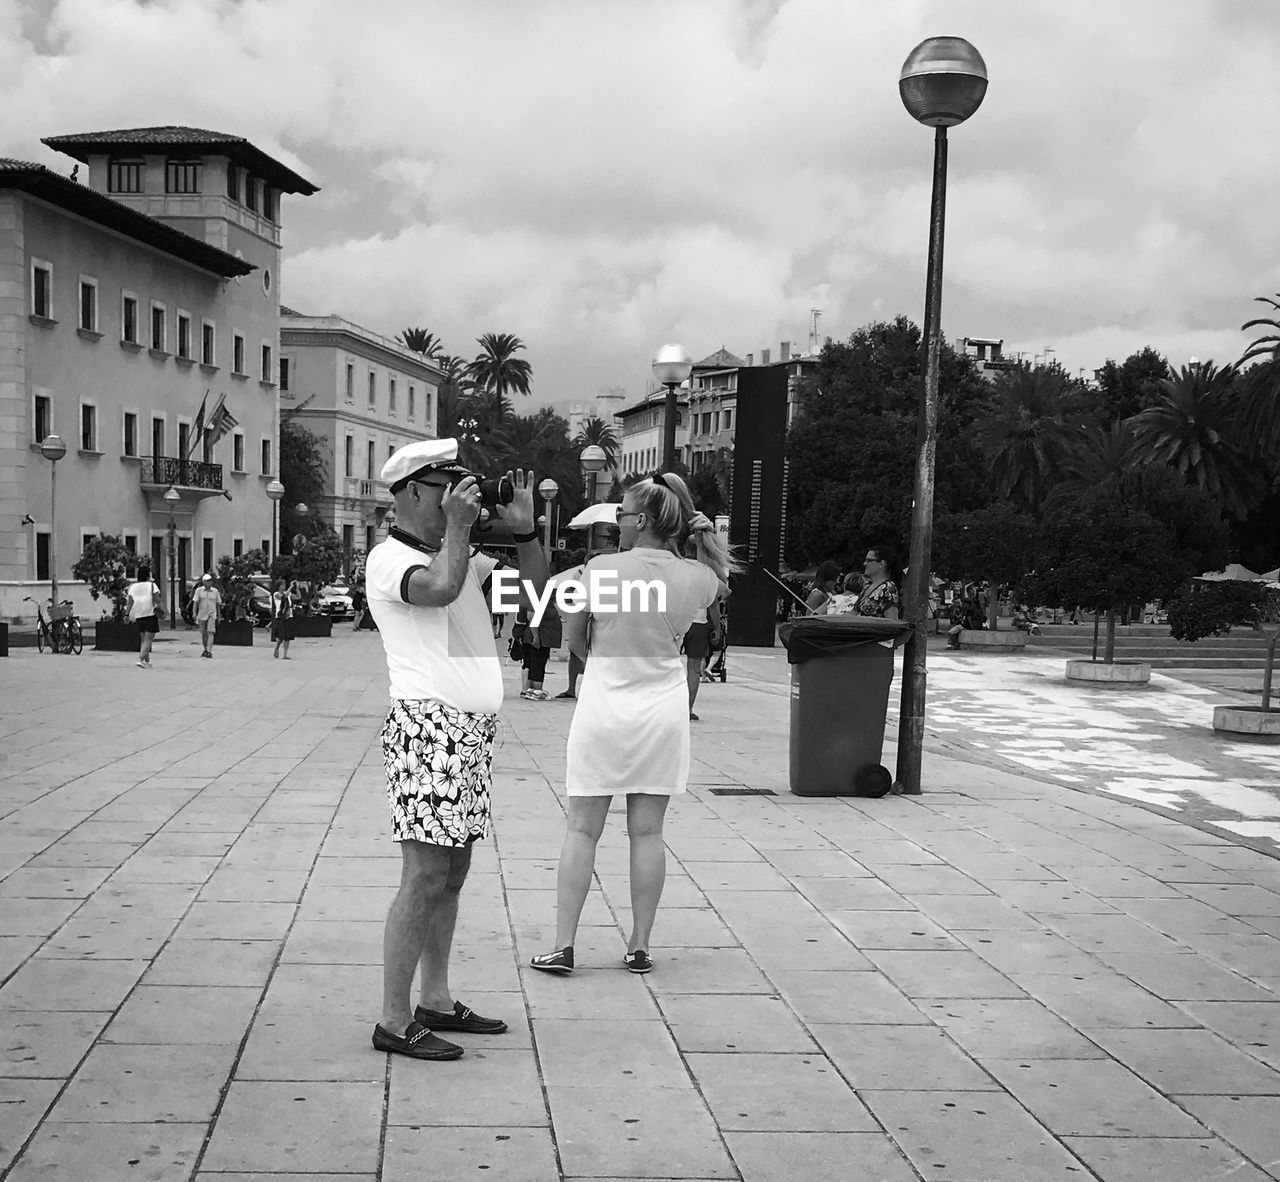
{"points": [[130, 543], [184, 440], [237, 547], [391, 396], [130, 441], [391, 450], [88, 304], [348, 455], [369, 457], [157, 436], [270, 202], [284, 373], [125, 176], [42, 555], [351, 382], [184, 335], [268, 370], [88, 427], [370, 537], [129, 319], [250, 192], [43, 417], [237, 353], [413, 404], [373, 390], [237, 452], [266, 457], [42, 289], [233, 182], [206, 343], [728, 419], [157, 326], [206, 547], [182, 176]]}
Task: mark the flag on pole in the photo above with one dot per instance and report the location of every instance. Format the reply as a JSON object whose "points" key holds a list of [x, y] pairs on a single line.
{"points": [[220, 421], [198, 430]]}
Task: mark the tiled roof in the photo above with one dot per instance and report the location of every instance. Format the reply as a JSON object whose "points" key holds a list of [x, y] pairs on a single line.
{"points": [[65, 193], [720, 359], [239, 149], [285, 310]]}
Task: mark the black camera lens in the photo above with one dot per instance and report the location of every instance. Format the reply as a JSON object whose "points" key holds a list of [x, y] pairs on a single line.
{"points": [[497, 492]]}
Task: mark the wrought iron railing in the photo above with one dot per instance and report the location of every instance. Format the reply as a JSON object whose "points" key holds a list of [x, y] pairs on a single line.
{"points": [[181, 473]]}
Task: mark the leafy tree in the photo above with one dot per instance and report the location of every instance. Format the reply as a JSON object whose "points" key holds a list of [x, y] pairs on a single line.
{"points": [[996, 544], [497, 372], [1213, 609], [1125, 389], [1104, 455], [319, 562], [304, 471], [712, 484], [103, 567], [237, 586], [596, 430], [1193, 427]]}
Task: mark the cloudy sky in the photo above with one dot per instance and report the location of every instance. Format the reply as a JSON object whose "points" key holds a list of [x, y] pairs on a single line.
{"points": [[603, 176]]}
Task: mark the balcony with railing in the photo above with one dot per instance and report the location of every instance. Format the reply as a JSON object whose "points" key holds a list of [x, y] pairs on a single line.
{"points": [[358, 489], [166, 471]]}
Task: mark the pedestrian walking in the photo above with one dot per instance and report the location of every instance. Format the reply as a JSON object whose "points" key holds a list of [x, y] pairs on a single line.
{"points": [[536, 643], [630, 732], [424, 588], [145, 609], [281, 618], [698, 639], [576, 663], [206, 603]]}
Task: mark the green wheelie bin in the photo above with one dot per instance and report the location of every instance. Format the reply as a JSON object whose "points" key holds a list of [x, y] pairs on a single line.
{"points": [[841, 667]]}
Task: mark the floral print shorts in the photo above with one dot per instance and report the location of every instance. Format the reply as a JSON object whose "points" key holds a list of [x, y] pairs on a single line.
{"points": [[439, 762]]}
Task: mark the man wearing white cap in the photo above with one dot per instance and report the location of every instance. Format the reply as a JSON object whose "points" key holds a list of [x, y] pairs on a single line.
{"points": [[423, 586], [207, 602]]}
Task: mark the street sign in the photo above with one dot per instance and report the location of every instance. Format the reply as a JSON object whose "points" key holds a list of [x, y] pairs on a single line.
{"points": [[560, 544]]}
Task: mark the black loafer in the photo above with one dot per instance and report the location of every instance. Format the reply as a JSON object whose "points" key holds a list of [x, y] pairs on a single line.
{"points": [[417, 1043], [463, 1020]]}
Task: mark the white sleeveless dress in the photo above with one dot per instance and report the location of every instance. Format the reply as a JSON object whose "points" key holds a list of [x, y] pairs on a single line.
{"points": [[630, 729]]}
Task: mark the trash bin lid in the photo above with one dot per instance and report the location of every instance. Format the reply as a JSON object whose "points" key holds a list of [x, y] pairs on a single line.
{"points": [[814, 637]]}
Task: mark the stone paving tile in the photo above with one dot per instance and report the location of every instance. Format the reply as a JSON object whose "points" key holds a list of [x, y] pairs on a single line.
{"points": [[1252, 1026], [1102, 999], [184, 1015], [320, 1127], [238, 962], [133, 937], [1188, 977], [975, 912], [1246, 900], [750, 1022], [1021, 952], [972, 1138], [814, 863], [153, 1084], [1092, 1098], [285, 1046], [893, 929], [1250, 1123], [46, 1044], [1118, 933], [419, 1152], [912, 1057], [335, 942], [852, 894], [635, 1132], [23, 1104], [35, 917], [502, 1090], [717, 970], [1150, 1159], [110, 1153], [921, 974], [1189, 1062], [236, 921], [777, 1092], [1009, 1029], [824, 997], [819, 1157], [14, 950], [576, 1052], [53, 882]]}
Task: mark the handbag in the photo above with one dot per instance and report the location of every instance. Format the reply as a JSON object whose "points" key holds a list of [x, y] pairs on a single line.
{"points": [[155, 597], [516, 648]]}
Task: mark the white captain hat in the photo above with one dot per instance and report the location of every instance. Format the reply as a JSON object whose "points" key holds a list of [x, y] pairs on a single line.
{"points": [[415, 460]]}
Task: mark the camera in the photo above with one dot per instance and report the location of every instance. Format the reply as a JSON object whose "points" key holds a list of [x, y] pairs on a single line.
{"points": [[496, 492]]}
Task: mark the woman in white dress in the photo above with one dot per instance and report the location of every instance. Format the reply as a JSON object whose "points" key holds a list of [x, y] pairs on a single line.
{"points": [[630, 730]]}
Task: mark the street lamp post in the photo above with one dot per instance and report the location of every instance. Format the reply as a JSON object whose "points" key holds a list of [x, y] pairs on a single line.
{"points": [[591, 461], [171, 498], [547, 490], [672, 366], [53, 449], [943, 82], [275, 490]]}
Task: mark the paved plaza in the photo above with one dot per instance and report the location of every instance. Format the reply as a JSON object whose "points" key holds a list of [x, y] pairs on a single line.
{"points": [[1059, 964]]}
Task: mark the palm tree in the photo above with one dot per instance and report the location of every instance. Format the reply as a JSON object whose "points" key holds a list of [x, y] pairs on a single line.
{"points": [[419, 340], [1105, 456], [1260, 409], [1194, 427], [1027, 438], [595, 430], [497, 372]]}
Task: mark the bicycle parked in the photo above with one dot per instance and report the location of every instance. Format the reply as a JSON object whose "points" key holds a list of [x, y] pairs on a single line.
{"points": [[61, 631]]}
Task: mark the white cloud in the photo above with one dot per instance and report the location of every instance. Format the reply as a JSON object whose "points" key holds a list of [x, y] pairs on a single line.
{"points": [[600, 176]]}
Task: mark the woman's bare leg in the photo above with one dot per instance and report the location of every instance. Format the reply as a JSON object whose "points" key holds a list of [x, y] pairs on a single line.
{"points": [[645, 814], [585, 823]]}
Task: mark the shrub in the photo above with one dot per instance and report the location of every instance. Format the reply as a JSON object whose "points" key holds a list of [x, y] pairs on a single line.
{"points": [[102, 568]]}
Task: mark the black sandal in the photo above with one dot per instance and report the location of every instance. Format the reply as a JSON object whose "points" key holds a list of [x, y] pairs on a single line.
{"points": [[555, 962], [417, 1042], [638, 962]]}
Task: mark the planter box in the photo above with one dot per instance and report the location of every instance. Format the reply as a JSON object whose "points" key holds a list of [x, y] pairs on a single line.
{"points": [[110, 637], [1250, 721], [1118, 674], [312, 626], [234, 632], [983, 640]]}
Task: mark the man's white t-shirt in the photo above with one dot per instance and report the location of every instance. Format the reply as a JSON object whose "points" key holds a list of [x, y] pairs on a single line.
{"points": [[444, 653]]}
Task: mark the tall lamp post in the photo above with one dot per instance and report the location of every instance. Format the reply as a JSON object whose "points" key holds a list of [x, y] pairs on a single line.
{"points": [[275, 490], [53, 449], [591, 461], [943, 82], [672, 366], [547, 489], [171, 498]]}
